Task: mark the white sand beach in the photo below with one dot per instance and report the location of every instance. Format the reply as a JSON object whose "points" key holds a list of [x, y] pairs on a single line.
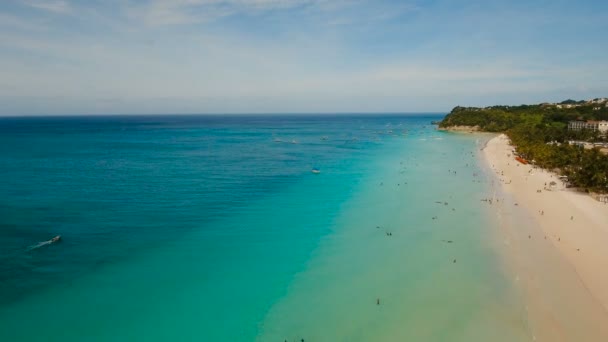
{"points": [[556, 243]]}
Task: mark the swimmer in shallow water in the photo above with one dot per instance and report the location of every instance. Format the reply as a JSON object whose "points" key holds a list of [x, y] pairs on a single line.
{"points": [[44, 243]]}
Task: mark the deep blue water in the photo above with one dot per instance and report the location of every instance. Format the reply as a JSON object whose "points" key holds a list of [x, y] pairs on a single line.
{"points": [[119, 184]]}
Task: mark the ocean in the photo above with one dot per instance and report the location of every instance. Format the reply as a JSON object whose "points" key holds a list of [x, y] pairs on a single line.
{"points": [[214, 228]]}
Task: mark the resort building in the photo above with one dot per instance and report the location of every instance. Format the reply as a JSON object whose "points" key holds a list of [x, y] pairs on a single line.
{"points": [[577, 125], [601, 126], [598, 100]]}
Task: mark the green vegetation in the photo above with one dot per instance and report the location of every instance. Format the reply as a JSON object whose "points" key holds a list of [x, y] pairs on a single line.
{"points": [[540, 134]]}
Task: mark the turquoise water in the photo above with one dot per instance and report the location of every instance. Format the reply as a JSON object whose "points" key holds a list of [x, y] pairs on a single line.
{"points": [[213, 228]]}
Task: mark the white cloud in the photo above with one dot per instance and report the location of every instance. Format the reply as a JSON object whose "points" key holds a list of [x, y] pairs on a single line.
{"points": [[18, 23], [172, 12], [55, 6], [167, 12], [365, 60], [199, 73]]}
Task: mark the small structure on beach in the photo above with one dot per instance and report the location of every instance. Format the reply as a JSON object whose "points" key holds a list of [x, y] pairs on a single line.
{"points": [[521, 160]]}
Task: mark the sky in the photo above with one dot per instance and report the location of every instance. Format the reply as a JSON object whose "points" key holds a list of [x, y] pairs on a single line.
{"points": [[67, 57]]}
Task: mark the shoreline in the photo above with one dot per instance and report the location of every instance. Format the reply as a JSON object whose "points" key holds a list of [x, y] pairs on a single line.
{"points": [[461, 129], [554, 245]]}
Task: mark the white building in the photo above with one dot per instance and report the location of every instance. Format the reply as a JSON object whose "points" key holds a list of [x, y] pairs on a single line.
{"points": [[578, 125], [598, 100], [601, 126]]}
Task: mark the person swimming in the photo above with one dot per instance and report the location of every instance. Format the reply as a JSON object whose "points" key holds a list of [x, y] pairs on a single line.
{"points": [[44, 243]]}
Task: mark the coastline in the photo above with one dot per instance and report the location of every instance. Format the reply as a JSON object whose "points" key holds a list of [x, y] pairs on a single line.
{"points": [[464, 129], [554, 242]]}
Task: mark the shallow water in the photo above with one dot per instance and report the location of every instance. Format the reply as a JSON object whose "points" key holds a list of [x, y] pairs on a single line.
{"points": [[213, 228]]}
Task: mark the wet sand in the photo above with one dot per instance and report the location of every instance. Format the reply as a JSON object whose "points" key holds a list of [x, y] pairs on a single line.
{"points": [[555, 245]]}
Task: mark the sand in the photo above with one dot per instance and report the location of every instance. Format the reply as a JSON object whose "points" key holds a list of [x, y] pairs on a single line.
{"points": [[556, 243]]}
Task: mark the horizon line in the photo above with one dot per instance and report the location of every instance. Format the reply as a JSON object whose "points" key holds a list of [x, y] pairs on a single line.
{"points": [[216, 114]]}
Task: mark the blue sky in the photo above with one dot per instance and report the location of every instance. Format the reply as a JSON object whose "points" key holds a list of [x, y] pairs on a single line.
{"points": [[252, 56]]}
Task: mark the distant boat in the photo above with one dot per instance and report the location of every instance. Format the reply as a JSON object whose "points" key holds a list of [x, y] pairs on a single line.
{"points": [[316, 171], [45, 243]]}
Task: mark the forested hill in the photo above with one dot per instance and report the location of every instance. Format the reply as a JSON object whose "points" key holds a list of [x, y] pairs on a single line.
{"points": [[540, 134], [502, 118]]}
